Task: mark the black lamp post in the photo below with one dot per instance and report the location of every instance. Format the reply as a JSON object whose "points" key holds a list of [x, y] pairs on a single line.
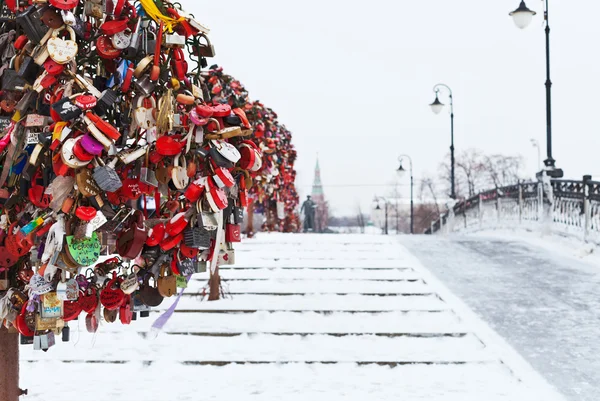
{"points": [[401, 172], [522, 17], [385, 230], [437, 107]]}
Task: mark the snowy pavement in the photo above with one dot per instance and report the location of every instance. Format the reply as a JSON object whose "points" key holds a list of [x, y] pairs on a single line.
{"points": [[544, 301], [332, 317]]}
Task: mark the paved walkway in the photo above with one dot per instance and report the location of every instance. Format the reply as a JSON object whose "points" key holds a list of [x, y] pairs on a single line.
{"points": [[310, 317], [545, 304]]}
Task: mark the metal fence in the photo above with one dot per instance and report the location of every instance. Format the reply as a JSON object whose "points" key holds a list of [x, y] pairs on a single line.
{"points": [[565, 206]]}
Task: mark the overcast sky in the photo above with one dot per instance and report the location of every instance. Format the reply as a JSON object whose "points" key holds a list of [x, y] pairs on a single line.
{"points": [[353, 79]]}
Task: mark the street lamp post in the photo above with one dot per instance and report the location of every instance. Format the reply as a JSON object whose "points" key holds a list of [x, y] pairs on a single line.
{"points": [[437, 107], [377, 198], [401, 172], [522, 17]]}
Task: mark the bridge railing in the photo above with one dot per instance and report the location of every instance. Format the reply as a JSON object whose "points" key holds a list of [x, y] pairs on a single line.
{"points": [[567, 207]]}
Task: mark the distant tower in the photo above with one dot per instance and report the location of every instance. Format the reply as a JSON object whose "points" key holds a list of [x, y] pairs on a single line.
{"points": [[318, 196]]}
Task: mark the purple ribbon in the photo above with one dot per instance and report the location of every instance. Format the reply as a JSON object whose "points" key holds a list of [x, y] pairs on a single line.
{"points": [[159, 324]]}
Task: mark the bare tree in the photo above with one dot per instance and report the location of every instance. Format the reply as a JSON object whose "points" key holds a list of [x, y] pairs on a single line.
{"points": [[360, 219], [476, 172], [428, 189], [470, 166], [501, 170]]}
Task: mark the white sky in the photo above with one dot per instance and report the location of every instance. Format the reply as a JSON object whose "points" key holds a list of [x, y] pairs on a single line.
{"points": [[353, 80]]}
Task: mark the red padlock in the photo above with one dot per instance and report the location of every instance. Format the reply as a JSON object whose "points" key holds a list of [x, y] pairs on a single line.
{"points": [[64, 4], [53, 67], [131, 189], [204, 111], [167, 146], [21, 42], [221, 110], [193, 192], [223, 178], [171, 242], [86, 213], [177, 224], [85, 102], [113, 27], [128, 79], [179, 64], [71, 310], [188, 251], [89, 300], [48, 81], [80, 152], [106, 49], [125, 312], [156, 235], [111, 295]]}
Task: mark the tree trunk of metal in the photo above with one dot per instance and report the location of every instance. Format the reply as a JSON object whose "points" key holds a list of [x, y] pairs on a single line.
{"points": [[9, 365]]}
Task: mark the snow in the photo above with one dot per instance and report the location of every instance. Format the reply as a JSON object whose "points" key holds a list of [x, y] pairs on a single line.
{"points": [[335, 317], [543, 300]]}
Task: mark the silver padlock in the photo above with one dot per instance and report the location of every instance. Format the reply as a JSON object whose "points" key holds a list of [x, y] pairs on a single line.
{"points": [[122, 40], [145, 85], [134, 44], [174, 40], [106, 177]]}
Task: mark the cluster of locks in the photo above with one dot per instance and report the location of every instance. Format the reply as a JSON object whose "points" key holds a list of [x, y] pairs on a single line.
{"points": [[111, 144], [274, 194]]}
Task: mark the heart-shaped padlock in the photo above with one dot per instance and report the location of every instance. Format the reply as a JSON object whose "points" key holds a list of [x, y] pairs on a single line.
{"points": [[111, 295], [179, 173], [62, 51], [144, 116]]}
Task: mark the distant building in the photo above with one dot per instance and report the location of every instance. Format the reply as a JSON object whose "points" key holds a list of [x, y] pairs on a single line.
{"points": [[318, 196]]}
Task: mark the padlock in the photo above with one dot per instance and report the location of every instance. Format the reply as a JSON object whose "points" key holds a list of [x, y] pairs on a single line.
{"points": [[145, 86], [106, 177], [174, 40], [66, 109], [148, 175], [44, 341], [29, 70], [52, 18], [226, 255], [144, 116], [233, 231], [30, 21], [133, 48], [66, 334], [206, 50], [122, 40], [62, 51], [196, 236]]}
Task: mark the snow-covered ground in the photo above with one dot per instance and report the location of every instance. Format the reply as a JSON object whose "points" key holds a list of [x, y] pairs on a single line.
{"points": [[330, 317], [539, 293]]}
